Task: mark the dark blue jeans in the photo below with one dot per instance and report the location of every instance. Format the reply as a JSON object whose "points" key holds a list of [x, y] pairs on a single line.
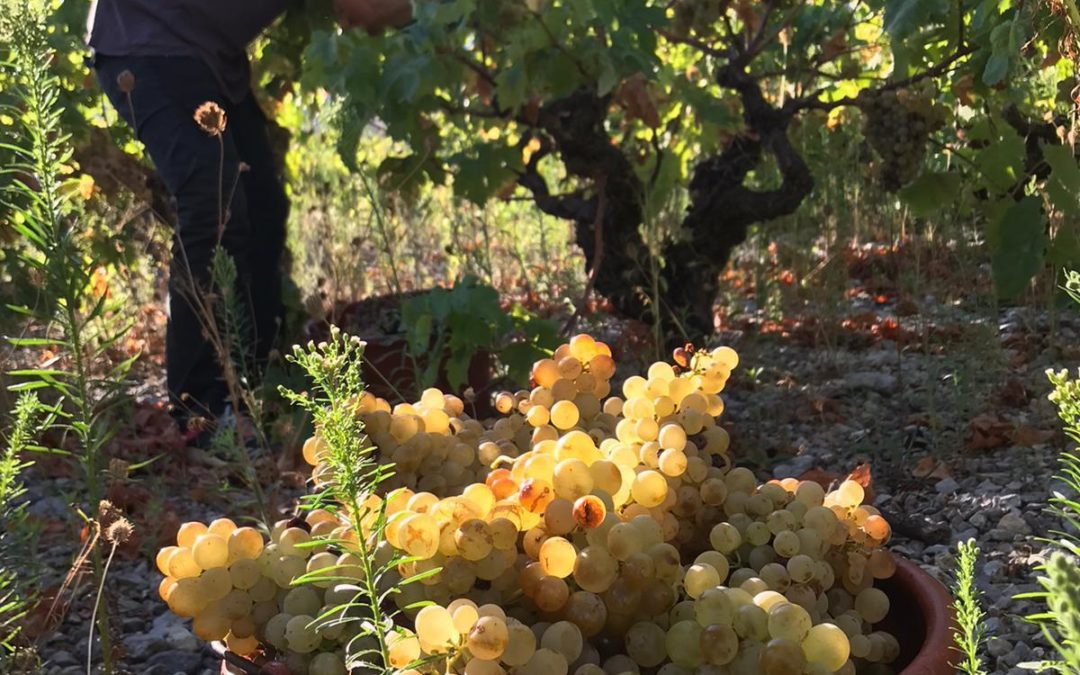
{"points": [[200, 171]]}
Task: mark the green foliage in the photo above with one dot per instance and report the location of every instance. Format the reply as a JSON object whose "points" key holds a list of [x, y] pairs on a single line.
{"points": [[229, 314], [1018, 246], [460, 322], [28, 419], [930, 191], [471, 84], [67, 315], [354, 474], [1060, 580], [1031, 220], [467, 58], [970, 632], [1061, 591]]}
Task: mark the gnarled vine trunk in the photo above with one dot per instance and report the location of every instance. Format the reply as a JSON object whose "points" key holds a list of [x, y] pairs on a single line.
{"points": [[721, 206]]}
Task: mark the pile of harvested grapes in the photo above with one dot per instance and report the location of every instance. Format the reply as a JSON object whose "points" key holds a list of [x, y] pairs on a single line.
{"points": [[580, 532]]}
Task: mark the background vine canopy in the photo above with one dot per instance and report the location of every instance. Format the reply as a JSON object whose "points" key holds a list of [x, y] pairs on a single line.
{"points": [[681, 116], [696, 98]]}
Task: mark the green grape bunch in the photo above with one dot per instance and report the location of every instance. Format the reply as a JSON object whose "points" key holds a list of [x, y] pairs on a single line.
{"points": [[898, 124]]}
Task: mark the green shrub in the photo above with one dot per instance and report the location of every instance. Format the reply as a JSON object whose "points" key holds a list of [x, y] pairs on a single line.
{"points": [[1060, 579], [970, 634], [467, 319], [28, 418]]}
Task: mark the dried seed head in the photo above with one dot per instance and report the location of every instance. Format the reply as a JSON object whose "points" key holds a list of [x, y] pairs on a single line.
{"points": [[244, 167], [120, 531], [125, 82], [107, 512], [211, 118], [107, 515], [198, 423], [119, 468]]}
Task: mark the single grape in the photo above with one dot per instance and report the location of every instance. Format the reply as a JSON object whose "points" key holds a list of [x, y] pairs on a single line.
{"points": [[435, 629], [646, 644], [782, 657], [789, 621], [683, 644], [714, 606], [188, 533], [699, 578], [327, 663], [520, 646], [300, 634], [545, 662], [872, 605], [488, 638], [827, 645], [719, 644], [402, 648], [565, 638]]}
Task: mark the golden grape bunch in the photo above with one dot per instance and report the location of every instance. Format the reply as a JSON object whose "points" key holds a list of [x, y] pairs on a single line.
{"points": [[580, 532]]}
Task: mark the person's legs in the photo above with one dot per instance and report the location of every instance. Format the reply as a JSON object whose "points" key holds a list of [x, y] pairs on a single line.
{"points": [[199, 170], [268, 209]]}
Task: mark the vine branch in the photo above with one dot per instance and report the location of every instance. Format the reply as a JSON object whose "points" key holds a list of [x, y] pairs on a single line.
{"points": [[812, 102]]}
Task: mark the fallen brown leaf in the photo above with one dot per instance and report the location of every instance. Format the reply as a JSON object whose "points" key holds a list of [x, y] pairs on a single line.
{"points": [[1013, 393], [1028, 436], [928, 467], [987, 432]]}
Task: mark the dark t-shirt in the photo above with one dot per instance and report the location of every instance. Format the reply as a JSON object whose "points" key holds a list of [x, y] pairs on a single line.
{"points": [[217, 31]]}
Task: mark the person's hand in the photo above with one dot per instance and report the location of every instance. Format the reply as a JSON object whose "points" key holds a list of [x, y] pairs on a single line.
{"points": [[374, 16]]}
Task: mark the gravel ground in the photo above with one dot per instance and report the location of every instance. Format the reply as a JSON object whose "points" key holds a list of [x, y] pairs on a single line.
{"points": [[793, 407], [152, 640]]}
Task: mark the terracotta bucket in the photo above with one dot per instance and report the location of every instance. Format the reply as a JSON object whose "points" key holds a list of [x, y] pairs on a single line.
{"points": [[922, 619]]}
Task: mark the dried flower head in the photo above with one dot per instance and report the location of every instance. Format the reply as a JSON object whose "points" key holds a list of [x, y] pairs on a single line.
{"points": [[125, 81], [120, 531], [211, 118], [108, 514], [198, 423]]}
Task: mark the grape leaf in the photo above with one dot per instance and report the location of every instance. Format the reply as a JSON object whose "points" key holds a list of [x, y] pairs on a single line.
{"points": [[1063, 184], [1002, 162], [997, 67], [480, 175], [930, 191], [1064, 250], [512, 86], [1018, 246], [903, 17]]}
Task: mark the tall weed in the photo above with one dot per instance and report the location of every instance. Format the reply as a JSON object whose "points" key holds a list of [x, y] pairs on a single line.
{"points": [[69, 317]]}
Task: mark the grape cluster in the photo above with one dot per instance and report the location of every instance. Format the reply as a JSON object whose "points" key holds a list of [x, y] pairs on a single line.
{"points": [[239, 589], [578, 532], [898, 124]]}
